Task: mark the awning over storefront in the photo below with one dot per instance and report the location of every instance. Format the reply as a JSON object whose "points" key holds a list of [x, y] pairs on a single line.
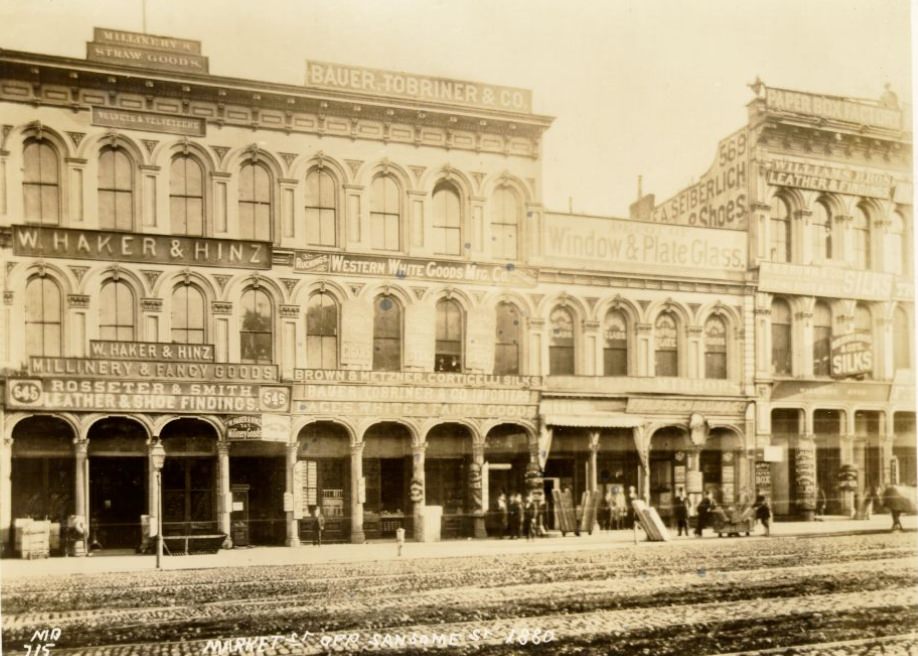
{"points": [[604, 420]]}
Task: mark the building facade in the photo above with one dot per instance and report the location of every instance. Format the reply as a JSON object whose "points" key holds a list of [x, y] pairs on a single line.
{"points": [[347, 295]]}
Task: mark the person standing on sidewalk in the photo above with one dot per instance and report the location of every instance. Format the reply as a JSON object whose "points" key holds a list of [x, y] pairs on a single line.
{"points": [[763, 513], [704, 509], [516, 516], [529, 512], [319, 526], [504, 513], [681, 513]]}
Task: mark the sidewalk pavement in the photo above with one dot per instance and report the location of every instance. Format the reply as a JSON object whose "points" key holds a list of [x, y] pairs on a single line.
{"points": [[388, 550]]}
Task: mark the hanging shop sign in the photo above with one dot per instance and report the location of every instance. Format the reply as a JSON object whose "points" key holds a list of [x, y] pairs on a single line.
{"points": [[616, 245], [144, 396], [402, 268], [833, 107], [108, 246], [152, 351], [763, 478], [852, 355], [149, 121], [822, 177], [719, 198], [267, 427], [421, 378], [323, 75], [161, 371]]}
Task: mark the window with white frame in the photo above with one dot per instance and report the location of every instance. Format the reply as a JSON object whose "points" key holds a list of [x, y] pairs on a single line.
{"points": [[41, 183]]}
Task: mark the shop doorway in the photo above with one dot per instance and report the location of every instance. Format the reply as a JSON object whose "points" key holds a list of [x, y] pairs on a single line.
{"points": [[261, 519], [507, 456], [670, 449], [325, 472], [387, 472], [189, 478], [446, 472]]}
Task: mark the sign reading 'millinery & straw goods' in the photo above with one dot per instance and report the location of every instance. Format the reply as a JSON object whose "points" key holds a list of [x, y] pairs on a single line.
{"points": [[40, 241], [150, 396], [149, 121], [147, 51], [323, 75]]}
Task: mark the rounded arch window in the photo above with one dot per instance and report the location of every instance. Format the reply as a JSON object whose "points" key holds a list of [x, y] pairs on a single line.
{"points": [[781, 341], [447, 220], [257, 327], [117, 312], [322, 331], [615, 344], [387, 333], [561, 343], [822, 339], [116, 189], [666, 342], [186, 196], [188, 315], [505, 223], [41, 182], [715, 348], [321, 208], [507, 349], [385, 214], [255, 202], [861, 229], [821, 222], [44, 317], [448, 352], [780, 247]]}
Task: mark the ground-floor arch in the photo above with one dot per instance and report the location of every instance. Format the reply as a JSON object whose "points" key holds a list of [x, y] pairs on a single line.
{"points": [[324, 474]]}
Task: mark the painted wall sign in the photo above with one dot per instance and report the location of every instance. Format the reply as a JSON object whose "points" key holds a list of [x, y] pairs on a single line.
{"points": [[830, 282], [381, 409], [147, 396], [323, 75], [421, 378], [639, 405], [149, 121], [810, 175], [400, 268], [586, 242], [131, 369], [129, 55], [41, 241], [803, 392], [719, 198], [413, 394], [852, 355], [152, 351], [833, 107], [150, 41]]}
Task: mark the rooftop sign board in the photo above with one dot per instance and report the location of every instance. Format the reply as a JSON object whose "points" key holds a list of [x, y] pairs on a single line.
{"points": [[339, 77], [151, 41], [146, 51], [833, 107], [790, 172]]}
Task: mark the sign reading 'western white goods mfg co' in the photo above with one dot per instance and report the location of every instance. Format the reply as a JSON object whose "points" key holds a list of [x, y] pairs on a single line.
{"points": [[416, 87], [38, 241], [400, 268], [619, 244]]}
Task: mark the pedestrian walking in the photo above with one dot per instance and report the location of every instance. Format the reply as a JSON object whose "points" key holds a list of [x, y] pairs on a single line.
{"points": [[681, 512], [629, 511], [529, 511], [516, 516], [504, 513], [705, 507], [896, 521], [318, 523], [763, 513]]}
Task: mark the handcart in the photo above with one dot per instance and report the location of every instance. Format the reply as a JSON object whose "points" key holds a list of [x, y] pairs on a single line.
{"points": [[733, 521]]}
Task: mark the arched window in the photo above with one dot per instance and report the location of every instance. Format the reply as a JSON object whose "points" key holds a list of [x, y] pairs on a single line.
{"points": [[255, 202], [902, 351], [561, 343], [780, 230], [615, 349], [41, 183], [781, 340], [256, 337], [666, 342], [715, 348], [821, 222], [116, 312], [505, 224], [895, 239], [861, 230], [387, 334], [188, 315], [322, 331], [507, 353], [116, 189], [447, 220], [385, 214], [321, 208], [44, 313], [448, 352], [822, 339], [863, 325], [186, 196]]}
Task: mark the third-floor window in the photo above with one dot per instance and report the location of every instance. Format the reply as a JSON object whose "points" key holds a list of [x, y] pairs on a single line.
{"points": [[186, 196], [116, 189], [447, 221], [321, 203]]}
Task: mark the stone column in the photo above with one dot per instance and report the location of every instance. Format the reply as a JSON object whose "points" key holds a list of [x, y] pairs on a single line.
{"points": [[6, 513], [81, 453], [475, 492], [593, 482], [293, 525], [357, 536], [224, 503], [805, 475], [151, 479], [418, 489]]}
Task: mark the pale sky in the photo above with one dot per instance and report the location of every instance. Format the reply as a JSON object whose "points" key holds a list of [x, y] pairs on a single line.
{"points": [[637, 86]]}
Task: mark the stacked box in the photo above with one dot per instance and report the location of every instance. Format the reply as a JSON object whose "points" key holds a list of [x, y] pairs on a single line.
{"points": [[32, 538]]}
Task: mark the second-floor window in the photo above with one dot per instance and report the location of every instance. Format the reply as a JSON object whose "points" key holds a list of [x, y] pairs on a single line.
{"points": [[448, 351], [615, 349], [861, 235], [43, 317], [507, 340], [447, 221], [666, 342], [41, 183], [822, 339], [385, 214], [255, 202], [715, 348], [781, 351], [561, 343], [821, 222], [186, 196], [116, 189], [256, 336], [321, 204], [116, 312], [322, 332], [780, 247], [387, 334], [188, 315]]}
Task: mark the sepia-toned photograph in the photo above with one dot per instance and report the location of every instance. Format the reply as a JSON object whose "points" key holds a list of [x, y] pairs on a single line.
{"points": [[461, 328]]}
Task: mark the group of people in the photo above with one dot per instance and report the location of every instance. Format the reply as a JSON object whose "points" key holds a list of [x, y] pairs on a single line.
{"points": [[518, 516], [707, 507]]}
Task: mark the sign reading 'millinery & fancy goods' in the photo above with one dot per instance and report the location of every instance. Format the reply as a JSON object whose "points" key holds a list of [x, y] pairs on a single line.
{"points": [[149, 121], [323, 75], [43, 241], [161, 371], [403, 268]]}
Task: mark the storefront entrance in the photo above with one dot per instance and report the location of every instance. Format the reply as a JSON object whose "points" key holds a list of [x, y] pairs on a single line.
{"points": [[387, 471], [446, 471], [189, 478], [506, 457], [324, 465], [257, 481]]}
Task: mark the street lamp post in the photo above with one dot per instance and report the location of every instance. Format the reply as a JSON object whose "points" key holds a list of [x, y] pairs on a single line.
{"points": [[158, 458]]}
